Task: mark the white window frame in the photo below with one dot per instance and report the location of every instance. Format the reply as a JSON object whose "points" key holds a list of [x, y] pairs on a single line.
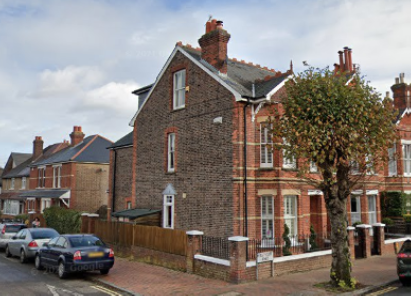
{"points": [[11, 207], [355, 216], [45, 203], [392, 161], [171, 155], [168, 211], [23, 183], [57, 176], [406, 156], [288, 163], [13, 180], [267, 217], [313, 167], [31, 204], [129, 205], [266, 152], [369, 165], [372, 210], [179, 89], [41, 177], [290, 213]]}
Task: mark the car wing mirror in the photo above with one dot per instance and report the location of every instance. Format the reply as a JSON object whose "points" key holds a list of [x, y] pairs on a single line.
{"points": [[14, 237]]}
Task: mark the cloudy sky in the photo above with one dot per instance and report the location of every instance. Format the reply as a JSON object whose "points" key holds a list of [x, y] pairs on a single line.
{"points": [[66, 63]]}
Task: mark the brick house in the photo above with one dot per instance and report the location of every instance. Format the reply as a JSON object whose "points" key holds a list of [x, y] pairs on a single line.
{"points": [[200, 149], [75, 177], [16, 175]]}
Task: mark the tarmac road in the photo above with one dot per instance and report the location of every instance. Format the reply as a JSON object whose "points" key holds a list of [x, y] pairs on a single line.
{"points": [[24, 279]]}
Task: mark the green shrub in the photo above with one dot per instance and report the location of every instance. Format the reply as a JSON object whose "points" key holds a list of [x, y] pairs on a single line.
{"points": [[63, 220], [392, 203], [287, 241], [22, 217], [313, 236], [387, 221], [407, 218], [357, 223]]}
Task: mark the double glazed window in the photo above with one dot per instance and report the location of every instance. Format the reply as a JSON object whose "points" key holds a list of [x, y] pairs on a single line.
{"points": [[57, 176], [266, 153], [171, 152], [41, 177], [179, 89], [168, 211], [290, 213], [406, 155], [267, 217], [392, 161]]}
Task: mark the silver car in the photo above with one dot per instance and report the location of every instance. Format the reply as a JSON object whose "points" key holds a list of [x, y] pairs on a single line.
{"points": [[26, 243], [7, 230]]}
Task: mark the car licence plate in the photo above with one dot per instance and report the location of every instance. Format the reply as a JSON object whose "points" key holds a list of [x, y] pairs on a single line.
{"points": [[95, 254]]}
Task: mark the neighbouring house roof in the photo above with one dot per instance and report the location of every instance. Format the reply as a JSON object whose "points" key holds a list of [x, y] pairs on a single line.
{"points": [[134, 213], [19, 158], [23, 169], [11, 196], [244, 80], [125, 141], [92, 149], [46, 193]]}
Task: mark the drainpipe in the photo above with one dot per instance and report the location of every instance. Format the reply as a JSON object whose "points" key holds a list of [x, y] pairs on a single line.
{"points": [[113, 201], [245, 170]]}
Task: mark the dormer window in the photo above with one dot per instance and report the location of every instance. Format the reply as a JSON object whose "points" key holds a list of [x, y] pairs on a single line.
{"points": [[179, 89]]}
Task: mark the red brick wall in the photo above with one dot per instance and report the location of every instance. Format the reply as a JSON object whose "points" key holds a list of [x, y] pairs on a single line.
{"points": [[302, 264]]}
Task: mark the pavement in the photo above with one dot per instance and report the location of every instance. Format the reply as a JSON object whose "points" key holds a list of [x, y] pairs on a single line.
{"points": [[137, 278]]}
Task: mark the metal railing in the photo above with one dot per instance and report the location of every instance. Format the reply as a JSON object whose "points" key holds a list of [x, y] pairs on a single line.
{"points": [[215, 247]]}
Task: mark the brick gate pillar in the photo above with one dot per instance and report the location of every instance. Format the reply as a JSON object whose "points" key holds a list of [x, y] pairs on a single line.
{"points": [[238, 259], [364, 239], [84, 223], [194, 244], [92, 218], [351, 242], [379, 237]]}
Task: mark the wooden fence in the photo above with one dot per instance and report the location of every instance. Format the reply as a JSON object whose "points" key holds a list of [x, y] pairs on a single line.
{"points": [[151, 237]]}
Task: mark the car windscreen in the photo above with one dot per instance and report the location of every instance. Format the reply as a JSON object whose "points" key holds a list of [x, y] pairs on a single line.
{"points": [[14, 228], [44, 234], [85, 241]]}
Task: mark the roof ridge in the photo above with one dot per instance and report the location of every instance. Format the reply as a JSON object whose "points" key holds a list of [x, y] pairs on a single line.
{"points": [[85, 147]]}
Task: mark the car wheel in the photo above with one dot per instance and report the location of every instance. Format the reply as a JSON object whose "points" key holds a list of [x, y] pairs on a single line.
{"points": [[23, 257], [37, 262], [104, 271], [62, 270], [7, 252]]}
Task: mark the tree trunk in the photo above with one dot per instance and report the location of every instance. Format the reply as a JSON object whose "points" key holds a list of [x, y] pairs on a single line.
{"points": [[336, 190], [341, 265]]}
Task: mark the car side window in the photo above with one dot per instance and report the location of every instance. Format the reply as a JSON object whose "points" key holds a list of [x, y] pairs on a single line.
{"points": [[60, 242], [22, 234], [53, 241], [18, 234]]}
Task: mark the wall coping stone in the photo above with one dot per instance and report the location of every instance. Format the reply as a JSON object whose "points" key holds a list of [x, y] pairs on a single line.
{"points": [[379, 224], [350, 228], [301, 256], [213, 260], [396, 240], [238, 238], [93, 215], [194, 232], [363, 226]]}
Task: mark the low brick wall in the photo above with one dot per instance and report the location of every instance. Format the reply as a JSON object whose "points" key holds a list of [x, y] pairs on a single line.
{"points": [[212, 269], [392, 246], [303, 262], [163, 259]]}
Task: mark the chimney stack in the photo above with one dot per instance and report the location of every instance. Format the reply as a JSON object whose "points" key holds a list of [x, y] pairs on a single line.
{"points": [[397, 80], [214, 45], [37, 147], [76, 136]]}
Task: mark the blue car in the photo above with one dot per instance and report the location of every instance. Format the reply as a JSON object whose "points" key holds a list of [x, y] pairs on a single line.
{"points": [[75, 253]]}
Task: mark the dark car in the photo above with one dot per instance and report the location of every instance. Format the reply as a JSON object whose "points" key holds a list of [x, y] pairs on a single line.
{"points": [[404, 262], [74, 253]]}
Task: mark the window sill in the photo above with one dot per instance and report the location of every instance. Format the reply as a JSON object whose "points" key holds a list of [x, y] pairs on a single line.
{"points": [[170, 173], [266, 168], [290, 169], [178, 109]]}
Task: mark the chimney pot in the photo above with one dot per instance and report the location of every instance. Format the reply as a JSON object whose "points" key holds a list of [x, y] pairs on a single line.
{"points": [[401, 77], [397, 80]]}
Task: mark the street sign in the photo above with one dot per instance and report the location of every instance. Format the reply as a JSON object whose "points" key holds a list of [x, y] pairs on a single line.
{"points": [[264, 257]]}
